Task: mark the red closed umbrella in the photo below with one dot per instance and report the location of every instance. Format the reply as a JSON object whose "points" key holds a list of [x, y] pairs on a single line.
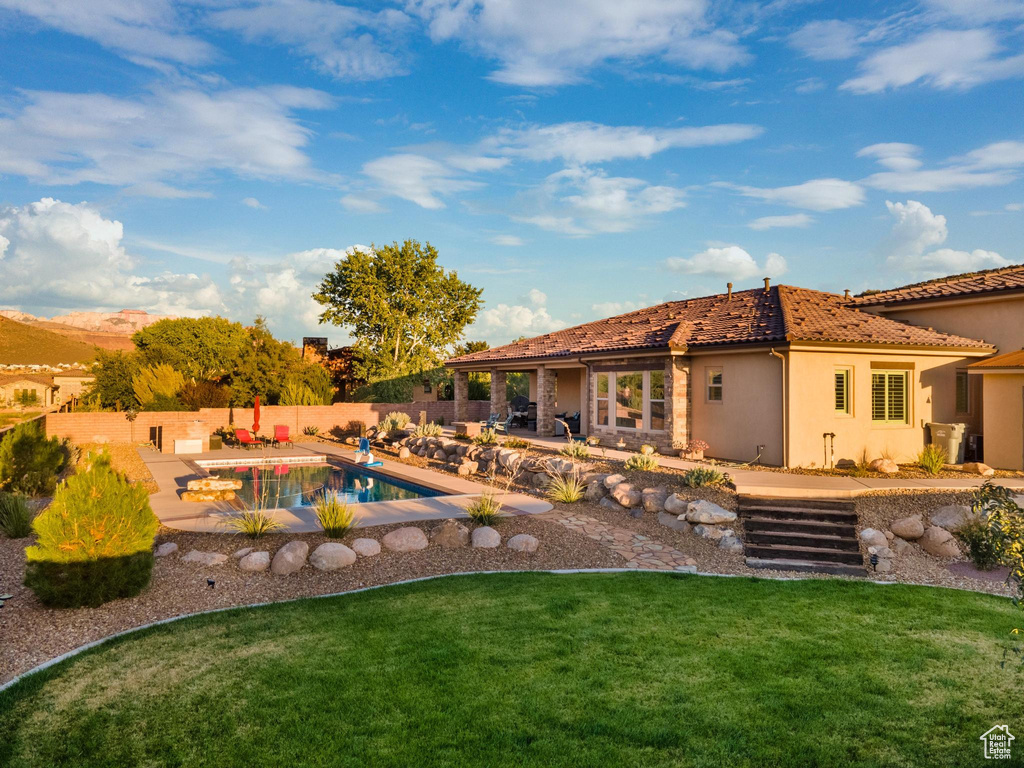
{"points": [[256, 416]]}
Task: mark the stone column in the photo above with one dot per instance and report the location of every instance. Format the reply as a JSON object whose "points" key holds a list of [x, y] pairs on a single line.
{"points": [[545, 402], [677, 392], [499, 393], [461, 396]]}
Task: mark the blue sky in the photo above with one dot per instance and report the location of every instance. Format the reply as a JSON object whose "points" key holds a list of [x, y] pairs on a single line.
{"points": [[574, 159]]}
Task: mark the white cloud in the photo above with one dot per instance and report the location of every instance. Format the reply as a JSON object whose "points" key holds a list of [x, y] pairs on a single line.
{"points": [[168, 136], [612, 308], [141, 31], [979, 10], [586, 142], [730, 262], [504, 322], [536, 298], [338, 38], [421, 180], [1013, 207], [826, 40], [893, 155], [991, 165], [540, 43], [810, 85], [915, 230], [943, 59], [792, 220], [252, 202], [358, 204], [508, 240], [814, 195]]}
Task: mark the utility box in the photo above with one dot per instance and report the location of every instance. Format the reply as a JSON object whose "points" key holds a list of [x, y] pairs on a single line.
{"points": [[950, 437]]}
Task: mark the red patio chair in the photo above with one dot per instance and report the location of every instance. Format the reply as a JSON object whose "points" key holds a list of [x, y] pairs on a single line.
{"points": [[246, 440], [281, 434]]}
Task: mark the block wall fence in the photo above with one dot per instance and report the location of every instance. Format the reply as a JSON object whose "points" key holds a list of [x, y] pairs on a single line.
{"points": [[106, 427]]}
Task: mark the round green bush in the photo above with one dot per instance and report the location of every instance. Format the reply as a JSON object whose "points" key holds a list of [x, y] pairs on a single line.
{"points": [[29, 461], [94, 542]]}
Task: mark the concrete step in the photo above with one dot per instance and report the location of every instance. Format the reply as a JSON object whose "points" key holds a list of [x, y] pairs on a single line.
{"points": [[799, 552], [797, 539], [822, 528], [806, 566]]}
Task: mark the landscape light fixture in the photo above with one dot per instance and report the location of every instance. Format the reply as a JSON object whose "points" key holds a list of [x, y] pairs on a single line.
{"points": [[874, 561], [210, 583]]}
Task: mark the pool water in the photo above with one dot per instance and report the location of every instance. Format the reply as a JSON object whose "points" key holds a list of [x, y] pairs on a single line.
{"points": [[284, 486]]}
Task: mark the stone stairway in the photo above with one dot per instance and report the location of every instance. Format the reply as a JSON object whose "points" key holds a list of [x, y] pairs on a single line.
{"points": [[813, 535]]}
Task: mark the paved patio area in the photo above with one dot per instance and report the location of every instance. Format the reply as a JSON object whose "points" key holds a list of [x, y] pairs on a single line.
{"points": [[172, 473]]}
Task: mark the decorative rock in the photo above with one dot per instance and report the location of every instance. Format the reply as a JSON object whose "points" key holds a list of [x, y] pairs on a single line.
{"points": [[165, 549], [675, 505], [596, 491], [883, 565], [467, 468], [541, 480], [255, 562], [977, 468], [485, 537], [439, 454], [366, 547], [593, 477], [290, 558], [730, 544], [205, 558], [636, 512], [214, 484], [939, 542], [884, 553], [240, 553], [889, 535], [873, 537], [407, 539], [712, 532], [523, 542], [626, 495], [332, 556], [885, 466], [404, 453], [702, 511], [612, 480], [207, 495], [450, 534], [676, 523], [561, 466], [909, 528], [952, 516], [609, 503], [899, 546], [653, 499]]}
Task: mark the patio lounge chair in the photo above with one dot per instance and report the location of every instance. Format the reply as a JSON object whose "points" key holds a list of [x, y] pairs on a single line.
{"points": [[502, 427], [490, 423], [281, 435], [246, 440]]}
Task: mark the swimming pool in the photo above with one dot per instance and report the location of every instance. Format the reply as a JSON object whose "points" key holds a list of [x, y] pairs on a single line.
{"points": [[284, 486]]}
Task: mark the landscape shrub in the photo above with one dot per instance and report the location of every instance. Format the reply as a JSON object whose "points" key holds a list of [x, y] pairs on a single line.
{"points": [[157, 381], [30, 461], [516, 443], [575, 450], [486, 437], [567, 489], [254, 523], [648, 450], [642, 462], [95, 541], [162, 402], [981, 544], [932, 458], [996, 505], [297, 392], [485, 511], [429, 429], [204, 394], [698, 477], [335, 516], [15, 516], [394, 422], [355, 427], [311, 430]]}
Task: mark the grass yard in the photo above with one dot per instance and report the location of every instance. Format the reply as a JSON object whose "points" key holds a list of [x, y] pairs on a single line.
{"points": [[542, 670]]}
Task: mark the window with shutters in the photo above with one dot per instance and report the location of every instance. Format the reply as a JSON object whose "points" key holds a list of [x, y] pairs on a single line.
{"points": [[842, 391], [963, 399], [890, 397]]}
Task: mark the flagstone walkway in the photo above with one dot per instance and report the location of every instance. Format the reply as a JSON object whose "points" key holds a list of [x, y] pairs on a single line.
{"points": [[638, 550]]}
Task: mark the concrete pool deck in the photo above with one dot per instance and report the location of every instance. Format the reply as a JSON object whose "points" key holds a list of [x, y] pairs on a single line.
{"points": [[173, 471]]}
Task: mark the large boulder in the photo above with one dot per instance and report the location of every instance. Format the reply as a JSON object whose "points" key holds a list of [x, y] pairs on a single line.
{"points": [[440, 454], [467, 468], [909, 528], [332, 556], [205, 558], [612, 480], [450, 534], [885, 466], [939, 542], [593, 477], [676, 505], [712, 532], [485, 537], [952, 517], [626, 495], [290, 558], [215, 484], [873, 538], [404, 453], [730, 544], [560, 466], [523, 542], [366, 547], [898, 545], [165, 549], [407, 539], [255, 562], [653, 499], [702, 511], [675, 522], [609, 503], [596, 491], [977, 468]]}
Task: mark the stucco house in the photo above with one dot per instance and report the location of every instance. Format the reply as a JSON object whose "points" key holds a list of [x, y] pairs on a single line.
{"points": [[29, 389], [778, 374]]}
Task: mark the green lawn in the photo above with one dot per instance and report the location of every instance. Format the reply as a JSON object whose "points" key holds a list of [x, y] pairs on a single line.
{"points": [[542, 670]]}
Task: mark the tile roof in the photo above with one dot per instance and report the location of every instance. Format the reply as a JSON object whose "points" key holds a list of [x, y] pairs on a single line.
{"points": [[952, 286], [1007, 360], [35, 378], [781, 313]]}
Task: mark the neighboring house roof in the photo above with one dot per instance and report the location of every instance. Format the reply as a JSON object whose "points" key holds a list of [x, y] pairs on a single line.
{"points": [[29, 377], [988, 281], [1007, 360], [779, 314]]}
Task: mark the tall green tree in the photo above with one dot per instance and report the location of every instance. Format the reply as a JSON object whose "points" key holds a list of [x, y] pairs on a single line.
{"points": [[403, 309], [199, 347], [114, 372]]}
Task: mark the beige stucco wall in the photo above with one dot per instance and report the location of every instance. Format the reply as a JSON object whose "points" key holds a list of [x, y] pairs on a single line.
{"points": [[568, 390], [1004, 420], [750, 413], [44, 395], [812, 405], [997, 322]]}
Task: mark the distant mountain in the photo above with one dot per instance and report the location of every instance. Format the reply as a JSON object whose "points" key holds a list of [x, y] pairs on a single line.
{"points": [[28, 344], [126, 322]]}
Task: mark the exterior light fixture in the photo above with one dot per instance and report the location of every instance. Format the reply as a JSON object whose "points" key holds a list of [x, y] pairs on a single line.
{"points": [[874, 561], [210, 582]]}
